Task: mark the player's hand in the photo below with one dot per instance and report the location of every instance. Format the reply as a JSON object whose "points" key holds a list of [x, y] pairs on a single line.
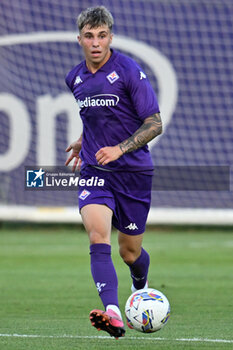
{"points": [[106, 155], [75, 147]]}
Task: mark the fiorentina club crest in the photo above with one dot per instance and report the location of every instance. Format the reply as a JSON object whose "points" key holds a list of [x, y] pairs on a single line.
{"points": [[84, 194], [112, 77]]}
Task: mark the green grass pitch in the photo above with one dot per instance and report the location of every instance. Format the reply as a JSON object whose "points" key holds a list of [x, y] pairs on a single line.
{"points": [[46, 289]]}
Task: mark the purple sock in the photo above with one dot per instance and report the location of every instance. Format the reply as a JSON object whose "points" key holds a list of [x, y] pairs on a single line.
{"points": [[104, 274], [139, 270]]}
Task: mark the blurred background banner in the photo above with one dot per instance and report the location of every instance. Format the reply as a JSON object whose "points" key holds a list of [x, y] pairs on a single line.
{"points": [[186, 49]]}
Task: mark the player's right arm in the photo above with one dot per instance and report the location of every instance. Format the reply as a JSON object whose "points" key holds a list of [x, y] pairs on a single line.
{"points": [[76, 148]]}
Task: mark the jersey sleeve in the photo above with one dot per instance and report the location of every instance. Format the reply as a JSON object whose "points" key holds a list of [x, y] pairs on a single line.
{"points": [[69, 80], [141, 92]]}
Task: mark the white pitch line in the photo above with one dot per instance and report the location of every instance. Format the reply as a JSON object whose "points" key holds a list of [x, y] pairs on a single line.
{"points": [[203, 340]]}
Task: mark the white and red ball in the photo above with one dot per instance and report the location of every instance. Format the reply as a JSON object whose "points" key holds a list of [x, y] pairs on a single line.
{"points": [[147, 310]]}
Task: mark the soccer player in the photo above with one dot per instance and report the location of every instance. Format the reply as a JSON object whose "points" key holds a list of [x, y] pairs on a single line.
{"points": [[120, 115]]}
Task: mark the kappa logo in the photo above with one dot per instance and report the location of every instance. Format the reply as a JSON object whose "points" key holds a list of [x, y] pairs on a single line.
{"points": [[138, 278], [84, 194], [142, 75], [78, 80], [99, 286], [112, 77], [132, 226]]}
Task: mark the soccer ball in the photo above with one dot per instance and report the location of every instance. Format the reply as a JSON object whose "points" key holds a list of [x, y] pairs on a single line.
{"points": [[147, 310]]}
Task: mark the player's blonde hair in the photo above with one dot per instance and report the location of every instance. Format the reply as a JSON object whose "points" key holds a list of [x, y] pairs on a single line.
{"points": [[95, 17]]}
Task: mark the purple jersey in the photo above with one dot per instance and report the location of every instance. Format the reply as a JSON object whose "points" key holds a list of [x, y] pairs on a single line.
{"points": [[113, 104]]}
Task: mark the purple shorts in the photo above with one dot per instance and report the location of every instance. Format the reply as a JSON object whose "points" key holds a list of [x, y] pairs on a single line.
{"points": [[127, 194]]}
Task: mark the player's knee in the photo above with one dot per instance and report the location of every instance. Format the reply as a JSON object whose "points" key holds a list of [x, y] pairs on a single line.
{"points": [[129, 256], [96, 237]]}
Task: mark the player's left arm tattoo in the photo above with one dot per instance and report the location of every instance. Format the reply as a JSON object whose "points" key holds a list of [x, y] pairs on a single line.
{"points": [[151, 128]]}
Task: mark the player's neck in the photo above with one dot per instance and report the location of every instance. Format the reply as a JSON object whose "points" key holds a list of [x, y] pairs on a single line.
{"points": [[93, 67]]}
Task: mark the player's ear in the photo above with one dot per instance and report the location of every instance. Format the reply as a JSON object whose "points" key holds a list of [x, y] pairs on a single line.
{"points": [[79, 39], [111, 37]]}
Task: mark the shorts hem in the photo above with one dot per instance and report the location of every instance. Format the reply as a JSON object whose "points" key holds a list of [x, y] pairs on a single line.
{"points": [[100, 202]]}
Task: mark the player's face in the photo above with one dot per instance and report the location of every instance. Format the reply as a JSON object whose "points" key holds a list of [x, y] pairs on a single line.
{"points": [[96, 45]]}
